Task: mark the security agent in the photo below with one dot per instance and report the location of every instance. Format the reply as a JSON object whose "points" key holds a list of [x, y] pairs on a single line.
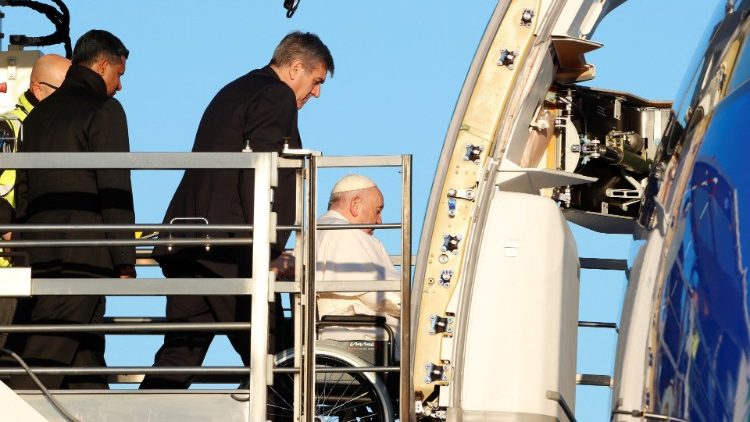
{"points": [[81, 116], [260, 107]]}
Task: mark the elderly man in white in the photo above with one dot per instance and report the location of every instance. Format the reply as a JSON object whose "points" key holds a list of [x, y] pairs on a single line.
{"points": [[355, 254]]}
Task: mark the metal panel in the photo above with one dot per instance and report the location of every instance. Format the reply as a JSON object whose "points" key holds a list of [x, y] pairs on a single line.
{"points": [[359, 161], [459, 414], [509, 282], [293, 163], [531, 180], [140, 286], [120, 406]]}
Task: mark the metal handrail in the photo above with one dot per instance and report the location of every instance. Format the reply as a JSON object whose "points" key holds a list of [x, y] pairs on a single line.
{"points": [[144, 258], [405, 391], [220, 370], [177, 161], [175, 227], [188, 286], [310, 286], [137, 160], [265, 169], [127, 328], [307, 362], [82, 243], [258, 287]]}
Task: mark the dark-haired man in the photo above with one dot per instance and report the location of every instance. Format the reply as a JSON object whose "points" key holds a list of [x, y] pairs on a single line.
{"points": [[261, 107], [81, 116]]}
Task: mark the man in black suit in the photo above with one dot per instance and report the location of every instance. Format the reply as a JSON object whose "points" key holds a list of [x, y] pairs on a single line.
{"points": [[80, 116], [260, 108]]}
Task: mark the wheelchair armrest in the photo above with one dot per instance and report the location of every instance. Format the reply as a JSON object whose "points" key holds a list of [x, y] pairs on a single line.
{"points": [[359, 321], [355, 321], [364, 320]]}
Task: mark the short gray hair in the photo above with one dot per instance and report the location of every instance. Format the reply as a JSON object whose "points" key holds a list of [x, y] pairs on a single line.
{"points": [[335, 198], [304, 46]]}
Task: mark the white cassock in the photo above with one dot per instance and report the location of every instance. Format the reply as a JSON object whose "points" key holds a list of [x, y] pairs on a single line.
{"points": [[349, 255]]}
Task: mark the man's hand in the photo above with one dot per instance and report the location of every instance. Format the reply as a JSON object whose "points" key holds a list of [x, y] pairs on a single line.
{"points": [[283, 266]]}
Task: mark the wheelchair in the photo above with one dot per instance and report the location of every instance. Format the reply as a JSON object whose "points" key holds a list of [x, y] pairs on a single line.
{"points": [[343, 396]]}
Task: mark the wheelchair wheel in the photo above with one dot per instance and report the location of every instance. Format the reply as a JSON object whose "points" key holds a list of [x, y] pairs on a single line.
{"points": [[339, 396]]}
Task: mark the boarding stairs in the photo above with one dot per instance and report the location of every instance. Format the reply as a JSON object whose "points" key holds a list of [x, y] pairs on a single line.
{"points": [[232, 404]]}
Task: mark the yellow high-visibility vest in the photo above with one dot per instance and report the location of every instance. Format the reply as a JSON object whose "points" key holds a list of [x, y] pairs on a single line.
{"points": [[15, 118]]}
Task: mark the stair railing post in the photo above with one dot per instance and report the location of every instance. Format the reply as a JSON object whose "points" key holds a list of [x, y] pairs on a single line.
{"points": [[309, 293], [265, 178]]}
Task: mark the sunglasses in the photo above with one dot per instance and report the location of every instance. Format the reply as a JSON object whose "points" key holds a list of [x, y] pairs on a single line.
{"points": [[48, 85]]}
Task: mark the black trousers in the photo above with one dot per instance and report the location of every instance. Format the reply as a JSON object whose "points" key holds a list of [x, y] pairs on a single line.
{"points": [[7, 311], [63, 349], [190, 348]]}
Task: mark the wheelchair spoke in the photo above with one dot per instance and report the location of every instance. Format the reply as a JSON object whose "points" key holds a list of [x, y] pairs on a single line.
{"points": [[364, 418], [338, 397], [286, 403], [340, 407], [342, 394]]}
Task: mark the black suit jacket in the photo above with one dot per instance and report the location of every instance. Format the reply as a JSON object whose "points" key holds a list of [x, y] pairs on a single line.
{"points": [[78, 117], [260, 107]]}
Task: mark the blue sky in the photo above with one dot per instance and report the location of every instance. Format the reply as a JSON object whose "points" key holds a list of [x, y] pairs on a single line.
{"points": [[400, 66]]}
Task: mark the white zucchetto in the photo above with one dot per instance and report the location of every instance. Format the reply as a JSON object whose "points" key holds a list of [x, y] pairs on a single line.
{"points": [[352, 182]]}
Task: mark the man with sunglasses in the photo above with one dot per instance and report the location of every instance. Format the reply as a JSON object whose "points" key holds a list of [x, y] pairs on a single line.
{"points": [[46, 75]]}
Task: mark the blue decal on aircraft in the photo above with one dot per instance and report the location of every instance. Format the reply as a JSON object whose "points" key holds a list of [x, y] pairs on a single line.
{"points": [[703, 353]]}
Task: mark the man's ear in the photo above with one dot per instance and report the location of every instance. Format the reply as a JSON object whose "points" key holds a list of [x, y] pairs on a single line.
{"points": [[36, 90], [295, 69], [354, 206], [100, 66]]}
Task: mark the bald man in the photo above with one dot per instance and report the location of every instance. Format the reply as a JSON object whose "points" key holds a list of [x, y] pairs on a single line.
{"points": [[349, 255], [46, 75]]}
